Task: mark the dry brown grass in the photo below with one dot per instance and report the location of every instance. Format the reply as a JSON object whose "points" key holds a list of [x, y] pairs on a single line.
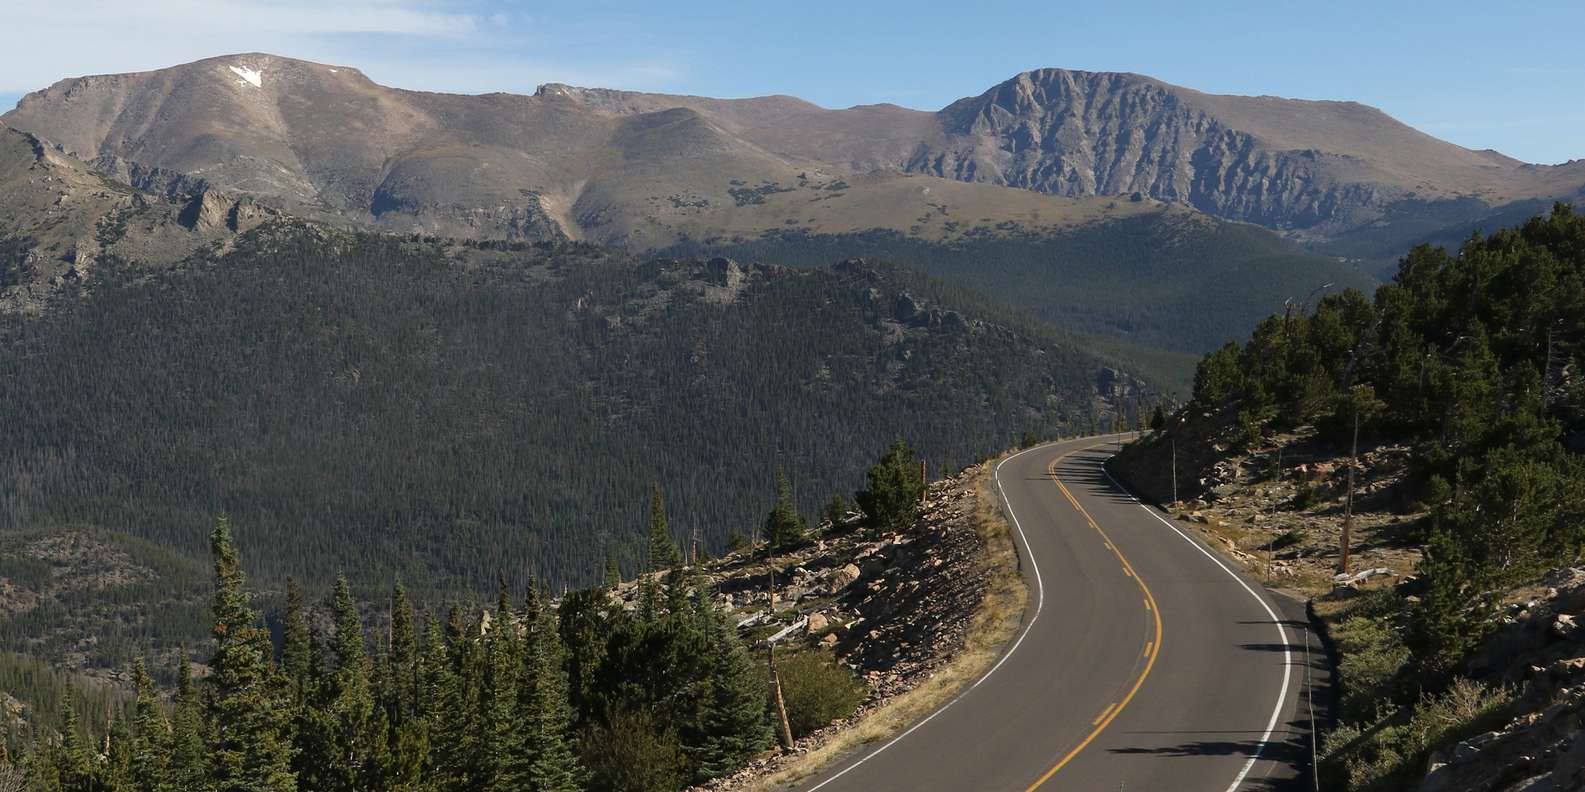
{"points": [[993, 625]]}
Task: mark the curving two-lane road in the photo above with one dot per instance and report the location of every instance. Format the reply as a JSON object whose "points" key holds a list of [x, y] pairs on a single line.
{"points": [[1144, 661]]}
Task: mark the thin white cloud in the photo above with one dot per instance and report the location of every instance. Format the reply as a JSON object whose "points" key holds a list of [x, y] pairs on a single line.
{"points": [[421, 44]]}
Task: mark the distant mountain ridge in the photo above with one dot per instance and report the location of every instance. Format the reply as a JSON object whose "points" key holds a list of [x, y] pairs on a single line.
{"points": [[642, 170]]}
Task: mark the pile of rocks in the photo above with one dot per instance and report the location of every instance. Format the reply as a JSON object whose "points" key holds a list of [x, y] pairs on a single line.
{"points": [[894, 607]]}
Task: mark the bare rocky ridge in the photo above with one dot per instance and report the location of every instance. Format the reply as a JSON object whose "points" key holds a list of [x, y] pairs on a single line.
{"points": [[58, 217], [642, 170]]}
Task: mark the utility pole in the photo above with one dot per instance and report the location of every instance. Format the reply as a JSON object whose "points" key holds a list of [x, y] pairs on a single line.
{"points": [[1348, 506], [1174, 471]]}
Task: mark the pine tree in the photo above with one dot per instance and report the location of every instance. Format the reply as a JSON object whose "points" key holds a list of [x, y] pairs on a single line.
{"points": [[407, 739], [836, 510], [295, 644], [456, 738], [70, 760], [500, 752], [612, 576], [114, 770], [249, 750], [189, 757], [892, 501], [733, 726], [663, 552], [354, 729], [784, 528], [149, 749], [550, 764], [433, 690]]}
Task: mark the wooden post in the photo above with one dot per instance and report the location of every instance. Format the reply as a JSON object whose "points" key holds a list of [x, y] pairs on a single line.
{"points": [[781, 704], [1348, 505], [924, 481], [1174, 471]]}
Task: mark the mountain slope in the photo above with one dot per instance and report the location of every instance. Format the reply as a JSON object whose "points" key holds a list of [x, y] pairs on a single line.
{"points": [[348, 399], [1316, 169], [58, 216], [635, 169]]}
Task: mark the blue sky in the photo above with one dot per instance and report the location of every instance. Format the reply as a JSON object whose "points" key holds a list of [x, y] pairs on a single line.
{"points": [[1479, 74]]}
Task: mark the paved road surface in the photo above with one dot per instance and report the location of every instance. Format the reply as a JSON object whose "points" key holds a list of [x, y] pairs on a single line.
{"points": [[1144, 663]]}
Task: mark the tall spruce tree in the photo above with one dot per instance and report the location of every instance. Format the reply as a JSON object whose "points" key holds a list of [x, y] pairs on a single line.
{"points": [[189, 757], [457, 738], [499, 765], [248, 724], [70, 758], [733, 726], [784, 527], [295, 649], [663, 552], [353, 728], [407, 738], [150, 749], [549, 761]]}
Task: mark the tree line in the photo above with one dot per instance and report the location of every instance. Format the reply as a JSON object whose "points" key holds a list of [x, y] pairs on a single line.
{"points": [[587, 694], [1474, 358]]}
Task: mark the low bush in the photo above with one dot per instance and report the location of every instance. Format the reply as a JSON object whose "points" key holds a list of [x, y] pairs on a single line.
{"points": [[817, 690]]}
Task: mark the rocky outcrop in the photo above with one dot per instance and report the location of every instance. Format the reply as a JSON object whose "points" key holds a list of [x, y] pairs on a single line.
{"points": [[1539, 651], [1097, 133]]}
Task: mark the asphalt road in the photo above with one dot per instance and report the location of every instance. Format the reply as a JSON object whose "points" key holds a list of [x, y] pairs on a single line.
{"points": [[1144, 662]]}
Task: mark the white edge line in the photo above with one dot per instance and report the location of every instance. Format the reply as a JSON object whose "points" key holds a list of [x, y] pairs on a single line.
{"points": [[1287, 655], [1040, 601]]}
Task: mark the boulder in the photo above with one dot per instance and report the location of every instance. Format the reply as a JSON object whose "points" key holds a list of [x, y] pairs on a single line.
{"points": [[818, 623], [844, 575]]}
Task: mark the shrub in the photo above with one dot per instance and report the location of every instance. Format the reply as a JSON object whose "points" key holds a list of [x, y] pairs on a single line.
{"points": [[817, 690], [1289, 538], [633, 754]]}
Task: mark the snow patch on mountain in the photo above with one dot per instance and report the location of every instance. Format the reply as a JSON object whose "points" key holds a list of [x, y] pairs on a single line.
{"points": [[254, 77]]}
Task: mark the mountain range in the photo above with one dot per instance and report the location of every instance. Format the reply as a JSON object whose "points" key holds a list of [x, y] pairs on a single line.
{"points": [[642, 171]]}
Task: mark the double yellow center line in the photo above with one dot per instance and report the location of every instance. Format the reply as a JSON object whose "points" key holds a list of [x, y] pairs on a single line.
{"points": [[1152, 647]]}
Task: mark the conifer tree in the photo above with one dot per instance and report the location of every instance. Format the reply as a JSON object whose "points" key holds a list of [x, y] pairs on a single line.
{"points": [[149, 749], [407, 738], [549, 762], [70, 760], [784, 528], [433, 689], [114, 769], [663, 552], [500, 752], [733, 726], [189, 758], [457, 736], [249, 751], [892, 501], [612, 576], [295, 644], [354, 729]]}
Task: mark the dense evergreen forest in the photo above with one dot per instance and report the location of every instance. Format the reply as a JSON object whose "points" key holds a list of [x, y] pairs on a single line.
{"points": [[417, 410], [1183, 285], [518, 697], [1474, 359]]}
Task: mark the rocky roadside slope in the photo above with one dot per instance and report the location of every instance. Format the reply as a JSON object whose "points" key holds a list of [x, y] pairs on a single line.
{"points": [[1275, 503], [915, 614]]}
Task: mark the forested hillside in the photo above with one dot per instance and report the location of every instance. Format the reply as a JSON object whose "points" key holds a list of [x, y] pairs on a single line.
{"points": [[435, 413], [1169, 283], [1471, 362]]}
